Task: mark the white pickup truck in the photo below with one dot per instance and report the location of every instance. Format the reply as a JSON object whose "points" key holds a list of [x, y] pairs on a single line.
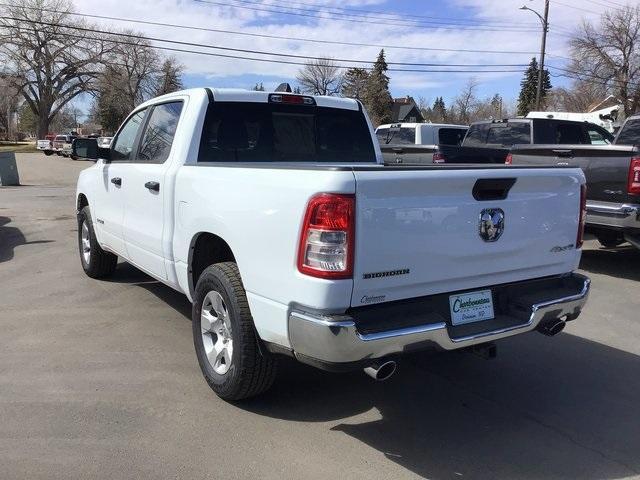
{"points": [[275, 215]]}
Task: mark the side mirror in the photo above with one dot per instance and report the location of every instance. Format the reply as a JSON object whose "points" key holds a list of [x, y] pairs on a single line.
{"points": [[85, 148], [88, 148]]}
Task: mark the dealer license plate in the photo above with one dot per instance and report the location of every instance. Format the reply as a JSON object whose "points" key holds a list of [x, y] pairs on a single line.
{"points": [[471, 307]]}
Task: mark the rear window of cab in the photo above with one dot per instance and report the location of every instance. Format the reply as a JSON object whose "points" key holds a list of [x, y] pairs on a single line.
{"points": [[271, 132]]}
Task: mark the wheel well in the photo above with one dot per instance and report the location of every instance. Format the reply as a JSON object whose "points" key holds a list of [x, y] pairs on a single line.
{"points": [[82, 202], [206, 249]]}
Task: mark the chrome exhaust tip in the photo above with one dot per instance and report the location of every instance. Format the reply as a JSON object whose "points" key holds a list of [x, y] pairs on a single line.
{"points": [[381, 371], [552, 327]]}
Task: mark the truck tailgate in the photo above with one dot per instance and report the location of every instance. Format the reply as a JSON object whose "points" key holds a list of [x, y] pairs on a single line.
{"points": [[606, 167], [417, 231]]}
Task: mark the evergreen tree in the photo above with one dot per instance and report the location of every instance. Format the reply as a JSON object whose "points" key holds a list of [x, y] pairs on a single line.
{"points": [[529, 86], [439, 110], [377, 98], [354, 83], [258, 87]]}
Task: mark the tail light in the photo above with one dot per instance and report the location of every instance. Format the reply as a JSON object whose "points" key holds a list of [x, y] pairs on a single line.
{"points": [[508, 160], [633, 185], [327, 237], [438, 157], [583, 216]]}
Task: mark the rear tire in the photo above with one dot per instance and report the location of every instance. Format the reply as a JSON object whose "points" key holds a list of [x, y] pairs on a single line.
{"points": [[224, 336], [48, 153], [610, 239], [96, 262]]}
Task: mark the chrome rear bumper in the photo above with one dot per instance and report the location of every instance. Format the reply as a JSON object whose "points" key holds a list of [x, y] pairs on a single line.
{"points": [[618, 215], [336, 339]]}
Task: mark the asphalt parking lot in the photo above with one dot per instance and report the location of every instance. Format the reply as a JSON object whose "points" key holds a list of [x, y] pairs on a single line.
{"points": [[98, 379]]}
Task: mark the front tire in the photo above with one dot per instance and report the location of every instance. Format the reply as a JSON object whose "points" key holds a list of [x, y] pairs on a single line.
{"points": [[224, 337], [96, 262], [48, 153]]}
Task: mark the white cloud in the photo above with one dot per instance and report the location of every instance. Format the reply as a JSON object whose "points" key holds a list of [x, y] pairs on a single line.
{"points": [[504, 13]]}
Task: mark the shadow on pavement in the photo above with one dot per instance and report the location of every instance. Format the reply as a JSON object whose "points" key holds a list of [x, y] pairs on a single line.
{"points": [[546, 408], [12, 237], [561, 407], [622, 262], [126, 273]]}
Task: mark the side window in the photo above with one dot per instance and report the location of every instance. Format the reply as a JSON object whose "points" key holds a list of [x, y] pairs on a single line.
{"points": [[570, 134], [158, 135], [122, 146], [597, 137]]}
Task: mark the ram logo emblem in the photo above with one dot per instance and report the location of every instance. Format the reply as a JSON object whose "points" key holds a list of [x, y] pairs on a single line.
{"points": [[491, 224]]}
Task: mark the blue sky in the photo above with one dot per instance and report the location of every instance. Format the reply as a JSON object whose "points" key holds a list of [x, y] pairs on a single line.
{"points": [[454, 25]]}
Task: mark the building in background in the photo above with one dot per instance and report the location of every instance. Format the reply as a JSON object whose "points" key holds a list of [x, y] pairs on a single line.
{"points": [[405, 109]]}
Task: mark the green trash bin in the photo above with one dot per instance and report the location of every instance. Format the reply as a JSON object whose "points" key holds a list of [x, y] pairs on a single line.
{"points": [[8, 169]]}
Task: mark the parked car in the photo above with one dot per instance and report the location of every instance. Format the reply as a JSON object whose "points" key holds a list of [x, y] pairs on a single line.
{"points": [[416, 141], [274, 214], [613, 181], [46, 145], [491, 141], [62, 144]]}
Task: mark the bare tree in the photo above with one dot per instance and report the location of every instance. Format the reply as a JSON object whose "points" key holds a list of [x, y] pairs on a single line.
{"points": [[54, 62], [170, 77], [320, 77], [466, 102], [577, 98], [132, 74], [608, 54], [9, 102]]}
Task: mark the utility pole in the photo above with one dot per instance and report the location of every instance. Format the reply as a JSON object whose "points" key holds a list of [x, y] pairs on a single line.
{"points": [[545, 28]]}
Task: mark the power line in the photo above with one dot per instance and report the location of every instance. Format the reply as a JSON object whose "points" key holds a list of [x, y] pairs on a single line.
{"points": [[575, 8], [289, 38], [260, 52], [368, 21], [288, 62], [396, 15]]}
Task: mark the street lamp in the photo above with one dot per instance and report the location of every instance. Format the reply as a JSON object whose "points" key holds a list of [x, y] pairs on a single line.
{"points": [[545, 28]]}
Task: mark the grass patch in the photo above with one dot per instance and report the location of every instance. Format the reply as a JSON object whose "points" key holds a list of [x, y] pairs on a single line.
{"points": [[19, 147]]}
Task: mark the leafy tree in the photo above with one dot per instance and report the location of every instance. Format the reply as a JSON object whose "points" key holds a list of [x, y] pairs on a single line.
{"points": [[354, 83], [377, 98], [258, 87], [170, 77], [529, 86]]}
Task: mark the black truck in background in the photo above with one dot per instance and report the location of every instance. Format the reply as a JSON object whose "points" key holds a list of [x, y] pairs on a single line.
{"points": [[613, 181], [491, 141]]}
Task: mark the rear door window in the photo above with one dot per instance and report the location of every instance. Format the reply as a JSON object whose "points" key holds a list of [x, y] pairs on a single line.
{"points": [[630, 133], [451, 136], [402, 136], [598, 136], [570, 134], [513, 133], [269, 132]]}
